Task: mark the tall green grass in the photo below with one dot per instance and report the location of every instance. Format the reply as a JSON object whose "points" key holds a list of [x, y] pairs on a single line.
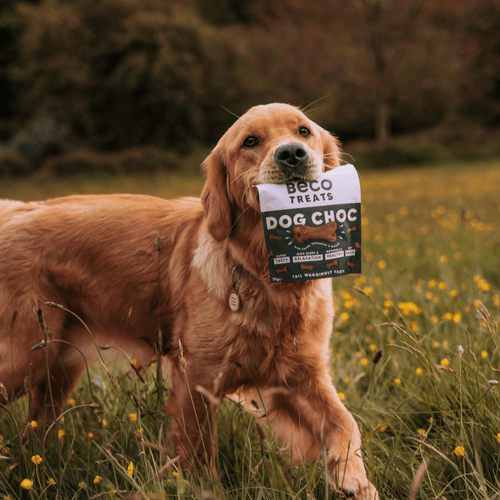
{"points": [[426, 306]]}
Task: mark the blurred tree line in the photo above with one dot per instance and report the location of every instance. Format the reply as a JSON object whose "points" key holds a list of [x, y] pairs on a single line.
{"points": [[111, 75]]}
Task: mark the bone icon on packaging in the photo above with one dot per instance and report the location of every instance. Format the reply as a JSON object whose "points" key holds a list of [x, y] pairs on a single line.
{"points": [[313, 229]]}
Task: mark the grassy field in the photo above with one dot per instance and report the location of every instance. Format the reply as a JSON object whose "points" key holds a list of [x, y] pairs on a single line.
{"points": [[428, 302]]}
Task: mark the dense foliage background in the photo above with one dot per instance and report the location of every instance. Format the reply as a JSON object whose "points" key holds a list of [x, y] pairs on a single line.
{"points": [[109, 75]]}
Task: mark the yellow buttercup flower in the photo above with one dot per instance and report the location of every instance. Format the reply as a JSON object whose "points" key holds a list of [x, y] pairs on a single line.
{"points": [[132, 417], [459, 451], [130, 469], [341, 396], [26, 484], [97, 479], [36, 459]]}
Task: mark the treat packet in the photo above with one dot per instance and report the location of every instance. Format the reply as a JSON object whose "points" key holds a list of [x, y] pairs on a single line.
{"points": [[313, 229]]}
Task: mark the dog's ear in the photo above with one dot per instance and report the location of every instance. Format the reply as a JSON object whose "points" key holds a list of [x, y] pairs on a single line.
{"points": [[215, 197], [331, 150]]}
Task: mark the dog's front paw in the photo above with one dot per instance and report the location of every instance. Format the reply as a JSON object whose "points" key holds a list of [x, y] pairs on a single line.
{"points": [[363, 491], [351, 479]]}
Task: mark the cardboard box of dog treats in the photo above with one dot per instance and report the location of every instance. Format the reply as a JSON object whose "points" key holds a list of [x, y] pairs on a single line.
{"points": [[313, 229]]}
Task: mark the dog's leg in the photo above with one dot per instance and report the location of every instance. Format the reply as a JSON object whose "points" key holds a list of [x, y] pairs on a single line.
{"points": [[193, 423], [310, 417]]}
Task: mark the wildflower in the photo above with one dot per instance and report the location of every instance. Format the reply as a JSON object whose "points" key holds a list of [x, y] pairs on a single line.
{"points": [[51, 481], [445, 362], [381, 264], [414, 326], [419, 371], [97, 479], [403, 210], [134, 361], [411, 252], [90, 435], [457, 255], [459, 451], [104, 422], [347, 379], [429, 295], [344, 317], [432, 283], [397, 381], [82, 485], [484, 354], [132, 417], [34, 424], [446, 343], [409, 307], [368, 290], [26, 484], [453, 293], [498, 437], [373, 347], [341, 396], [36, 459], [365, 361], [457, 317], [460, 350], [443, 258], [435, 319], [61, 433], [130, 469], [175, 474], [422, 432], [435, 344], [388, 303], [382, 428], [71, 401], [378, 281], [448, 316]]}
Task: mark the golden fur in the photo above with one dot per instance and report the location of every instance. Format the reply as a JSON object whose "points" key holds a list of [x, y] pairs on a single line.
{"points": [[97, 256]]}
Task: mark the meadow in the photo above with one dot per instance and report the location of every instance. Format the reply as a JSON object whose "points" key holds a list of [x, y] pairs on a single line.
{"points": [[415, 356]]}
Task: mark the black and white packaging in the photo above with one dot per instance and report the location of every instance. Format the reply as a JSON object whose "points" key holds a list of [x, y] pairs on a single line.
{"points": [[313, 229]]}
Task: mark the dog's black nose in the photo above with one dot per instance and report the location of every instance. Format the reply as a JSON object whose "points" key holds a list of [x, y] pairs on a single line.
{"points": [[291, 156]]}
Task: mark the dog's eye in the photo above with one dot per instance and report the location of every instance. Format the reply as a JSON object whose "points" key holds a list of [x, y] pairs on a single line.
{"points": [[304, 132], [251, 141]]}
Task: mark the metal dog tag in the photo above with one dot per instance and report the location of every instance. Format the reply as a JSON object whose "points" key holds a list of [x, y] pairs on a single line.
{"points": [[234, 302]]}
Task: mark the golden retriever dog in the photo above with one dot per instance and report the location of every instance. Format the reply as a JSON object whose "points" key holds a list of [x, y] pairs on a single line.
{"points": [[143, 272]]}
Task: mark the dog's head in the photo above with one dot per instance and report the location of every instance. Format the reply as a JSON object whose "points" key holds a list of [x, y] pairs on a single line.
{"points": [[274, 143]]}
